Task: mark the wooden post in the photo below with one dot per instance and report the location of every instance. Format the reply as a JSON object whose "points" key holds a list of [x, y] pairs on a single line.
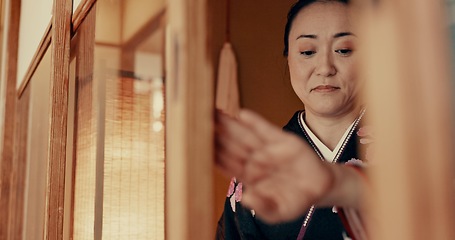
{"points": [[407, 69], [8, 176], [60, 52], [189, 123]]}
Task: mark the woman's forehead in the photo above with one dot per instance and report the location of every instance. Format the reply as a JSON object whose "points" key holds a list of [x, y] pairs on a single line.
{"points": [[322, 17]]}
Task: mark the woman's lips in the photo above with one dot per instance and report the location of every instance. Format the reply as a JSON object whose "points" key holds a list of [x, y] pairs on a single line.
{"points": [[325, 88]]}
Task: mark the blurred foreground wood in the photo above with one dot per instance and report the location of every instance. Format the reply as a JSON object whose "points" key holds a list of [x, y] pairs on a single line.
{"points": [[189, 126], [408, 75]]}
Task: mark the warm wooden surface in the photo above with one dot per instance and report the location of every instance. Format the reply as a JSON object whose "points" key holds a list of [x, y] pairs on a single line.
{"points": [[17, 199], [189, 123], [60, 51], [407, 69], [2, 30], [8, 178], [85, 6]]}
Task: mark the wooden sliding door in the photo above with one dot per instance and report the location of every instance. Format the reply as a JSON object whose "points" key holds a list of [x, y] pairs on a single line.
{"points": [[118, 164], [110, 133]]}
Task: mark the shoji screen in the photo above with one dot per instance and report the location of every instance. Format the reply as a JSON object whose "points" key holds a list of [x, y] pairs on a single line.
{"points": [[35, 18], [119, 122], [37, 151]]}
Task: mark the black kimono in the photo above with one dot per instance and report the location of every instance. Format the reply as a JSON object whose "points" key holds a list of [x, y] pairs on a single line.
{"points": [[237, 222]]}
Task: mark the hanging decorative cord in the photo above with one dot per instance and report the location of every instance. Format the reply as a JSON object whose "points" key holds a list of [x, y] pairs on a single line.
{"points": [[228, 20]]}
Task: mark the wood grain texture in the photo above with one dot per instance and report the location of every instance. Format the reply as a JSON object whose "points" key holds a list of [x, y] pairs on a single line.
{"points": [[84, 8], [17, 200], [7, 163], [189, 123], [60, 52]]}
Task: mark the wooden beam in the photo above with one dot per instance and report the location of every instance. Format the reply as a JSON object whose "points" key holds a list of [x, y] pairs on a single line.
{"points": [[60, 52]]}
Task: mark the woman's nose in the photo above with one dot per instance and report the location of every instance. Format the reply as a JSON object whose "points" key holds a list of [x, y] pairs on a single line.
{"points": [[325, 65]]}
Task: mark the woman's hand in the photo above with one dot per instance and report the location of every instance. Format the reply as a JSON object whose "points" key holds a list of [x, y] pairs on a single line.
{"points": [[282, 175]]}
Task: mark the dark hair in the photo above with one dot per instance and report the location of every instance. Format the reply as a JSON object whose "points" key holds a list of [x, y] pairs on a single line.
{"points": [[295, 9]]}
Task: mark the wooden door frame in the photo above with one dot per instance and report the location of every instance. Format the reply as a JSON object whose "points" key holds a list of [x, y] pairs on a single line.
{"points": [[9, 178], [189, 122]]}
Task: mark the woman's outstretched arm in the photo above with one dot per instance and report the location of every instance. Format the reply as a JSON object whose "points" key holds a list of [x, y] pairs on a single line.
{"points": [[282, 174]]}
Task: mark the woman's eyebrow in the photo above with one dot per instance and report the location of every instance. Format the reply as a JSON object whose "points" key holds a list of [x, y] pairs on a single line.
{"points": [[343, 34], [312, 36], [338, 35]]}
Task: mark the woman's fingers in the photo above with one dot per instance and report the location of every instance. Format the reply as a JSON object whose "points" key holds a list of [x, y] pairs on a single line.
{"points": [[264, 129], [234, 144], [236, 131], [257, 167], [272, 157], [259, 146], [230, 165], [275, 201], [225, 143]]}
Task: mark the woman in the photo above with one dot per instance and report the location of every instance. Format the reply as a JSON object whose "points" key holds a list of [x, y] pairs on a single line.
{"points": [[278, 176]]}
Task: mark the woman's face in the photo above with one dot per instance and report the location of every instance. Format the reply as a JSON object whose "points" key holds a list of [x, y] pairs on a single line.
{"points": [[322, 56]]}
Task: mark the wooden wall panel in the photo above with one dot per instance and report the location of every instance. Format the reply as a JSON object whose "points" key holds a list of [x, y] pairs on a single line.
{"points": [[8, 96]]}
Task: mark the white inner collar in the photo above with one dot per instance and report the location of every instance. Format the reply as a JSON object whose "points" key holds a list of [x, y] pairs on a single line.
{"points": [[327, 154]]}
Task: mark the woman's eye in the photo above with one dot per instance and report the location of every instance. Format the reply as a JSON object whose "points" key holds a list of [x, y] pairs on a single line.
{"points": [[344, 51], [308, 53]]}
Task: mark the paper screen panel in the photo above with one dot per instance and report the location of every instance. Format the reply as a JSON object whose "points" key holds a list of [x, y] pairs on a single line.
{"points": [[37, 152], [84, 193], [134, 163], [133, 171]]}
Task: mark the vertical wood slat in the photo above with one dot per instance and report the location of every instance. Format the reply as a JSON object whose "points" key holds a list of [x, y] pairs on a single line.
{"points": [[408, 74], [17, 200], [189, 123], [60, 52], [82, 11], [7, 164]]}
